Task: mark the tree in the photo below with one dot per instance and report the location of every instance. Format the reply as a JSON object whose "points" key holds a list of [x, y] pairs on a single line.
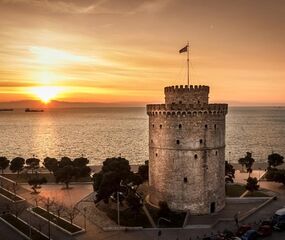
{"points": [[247, 161], [143, 171], [134, 179], [59, 208], [4, 163], [17, 165], [65, 161], [276, 175], [80, 172], [71, 213], [275, 160], [108, 181], [252, 184], [51, 164], [280, 176], [33, 163], [229, 172], [80, 162], [36, 182], [110, 184], [64, 175], [134, 201], [81, 168]]}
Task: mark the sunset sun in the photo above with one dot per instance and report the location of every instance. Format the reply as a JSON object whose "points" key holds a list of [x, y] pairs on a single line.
{"points": [[46, 93]]}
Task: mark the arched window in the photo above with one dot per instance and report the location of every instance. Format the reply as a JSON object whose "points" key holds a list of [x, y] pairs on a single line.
{"points": [[180, 126], [177, 142], [160, 126], [201, 141], [206, 126], [185, 180], [195, 156]]}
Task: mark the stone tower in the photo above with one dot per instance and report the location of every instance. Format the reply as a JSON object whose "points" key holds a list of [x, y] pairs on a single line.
{"points": [[187, 150]]}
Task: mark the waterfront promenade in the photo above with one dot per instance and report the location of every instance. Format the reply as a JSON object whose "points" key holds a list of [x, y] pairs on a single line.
{"points": [[79, 191]]}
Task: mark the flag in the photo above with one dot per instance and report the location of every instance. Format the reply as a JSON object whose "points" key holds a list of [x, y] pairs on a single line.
{"points": [[185, 49]]}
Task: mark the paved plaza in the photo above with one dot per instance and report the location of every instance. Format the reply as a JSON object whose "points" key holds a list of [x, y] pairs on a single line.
{"points": [[81, 195]]}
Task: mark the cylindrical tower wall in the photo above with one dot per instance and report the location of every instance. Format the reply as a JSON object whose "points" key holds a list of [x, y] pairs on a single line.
{"points": [[187, 154]]}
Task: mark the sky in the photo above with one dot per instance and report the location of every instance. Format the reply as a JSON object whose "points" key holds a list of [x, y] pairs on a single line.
{"points": [[127, 50]]}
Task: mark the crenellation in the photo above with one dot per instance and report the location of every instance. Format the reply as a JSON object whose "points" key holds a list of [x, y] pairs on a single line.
{"points": [[189, 108]]}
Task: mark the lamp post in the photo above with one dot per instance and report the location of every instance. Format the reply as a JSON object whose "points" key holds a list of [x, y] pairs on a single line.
{"points": [[118, 206], [229, 157], [84, 209], [30, 227], [48, 206]]}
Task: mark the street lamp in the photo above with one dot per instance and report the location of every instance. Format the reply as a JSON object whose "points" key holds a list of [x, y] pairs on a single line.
{"points": [[85, 209], [229, 157], [30, 227], [48, 204], [118, 205]]}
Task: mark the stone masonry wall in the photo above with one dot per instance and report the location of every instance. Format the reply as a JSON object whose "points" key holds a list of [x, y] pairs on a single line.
{"points": [[187, 154]]}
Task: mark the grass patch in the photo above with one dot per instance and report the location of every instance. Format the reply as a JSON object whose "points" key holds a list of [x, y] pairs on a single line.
{"points": [[128, 218], [235, 190], [56, 220], [23, 227], [256, 194], [9, 195], [176, 218], [24, 177]]}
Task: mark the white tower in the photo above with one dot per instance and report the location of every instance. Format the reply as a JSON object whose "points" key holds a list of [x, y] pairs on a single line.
{"points": [[187, 150]]}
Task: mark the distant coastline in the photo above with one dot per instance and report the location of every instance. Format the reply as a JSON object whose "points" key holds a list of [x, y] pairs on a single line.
{"points": [[35, 104]]}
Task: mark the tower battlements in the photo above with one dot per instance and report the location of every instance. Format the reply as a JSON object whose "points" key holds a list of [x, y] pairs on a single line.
{"points": [[193, 94], [186, 88], [186, 109]]}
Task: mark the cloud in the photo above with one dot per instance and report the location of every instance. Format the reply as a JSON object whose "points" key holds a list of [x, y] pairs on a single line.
{"points": [[56, 6], [96, 7], [13, 84]]}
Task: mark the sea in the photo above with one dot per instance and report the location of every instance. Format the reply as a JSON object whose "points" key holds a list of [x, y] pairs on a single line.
{"points": [[99, 133]]}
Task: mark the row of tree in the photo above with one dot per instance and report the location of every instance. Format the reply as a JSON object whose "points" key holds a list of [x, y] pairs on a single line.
{"points": [[64, 170], [18, 163], [273, 160], [273, 173]]}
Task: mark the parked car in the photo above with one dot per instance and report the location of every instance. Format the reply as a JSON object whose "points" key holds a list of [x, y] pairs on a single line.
{"points": [[280, 226], [278, 220], [278, 216], [267, 222], [250, 235], [242, 230], [264, 230]]}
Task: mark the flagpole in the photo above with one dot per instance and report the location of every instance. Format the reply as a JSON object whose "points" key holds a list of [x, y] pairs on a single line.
{"points": [[188, 63]]}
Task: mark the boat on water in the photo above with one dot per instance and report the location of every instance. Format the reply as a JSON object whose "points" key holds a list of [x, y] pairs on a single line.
{"points": [[6, 110], [33, 110]]}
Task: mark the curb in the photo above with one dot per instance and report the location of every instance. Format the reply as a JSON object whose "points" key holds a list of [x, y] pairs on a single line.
{"points": [[18, 231], [109, 229], [18, 201], [57, 226]]}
